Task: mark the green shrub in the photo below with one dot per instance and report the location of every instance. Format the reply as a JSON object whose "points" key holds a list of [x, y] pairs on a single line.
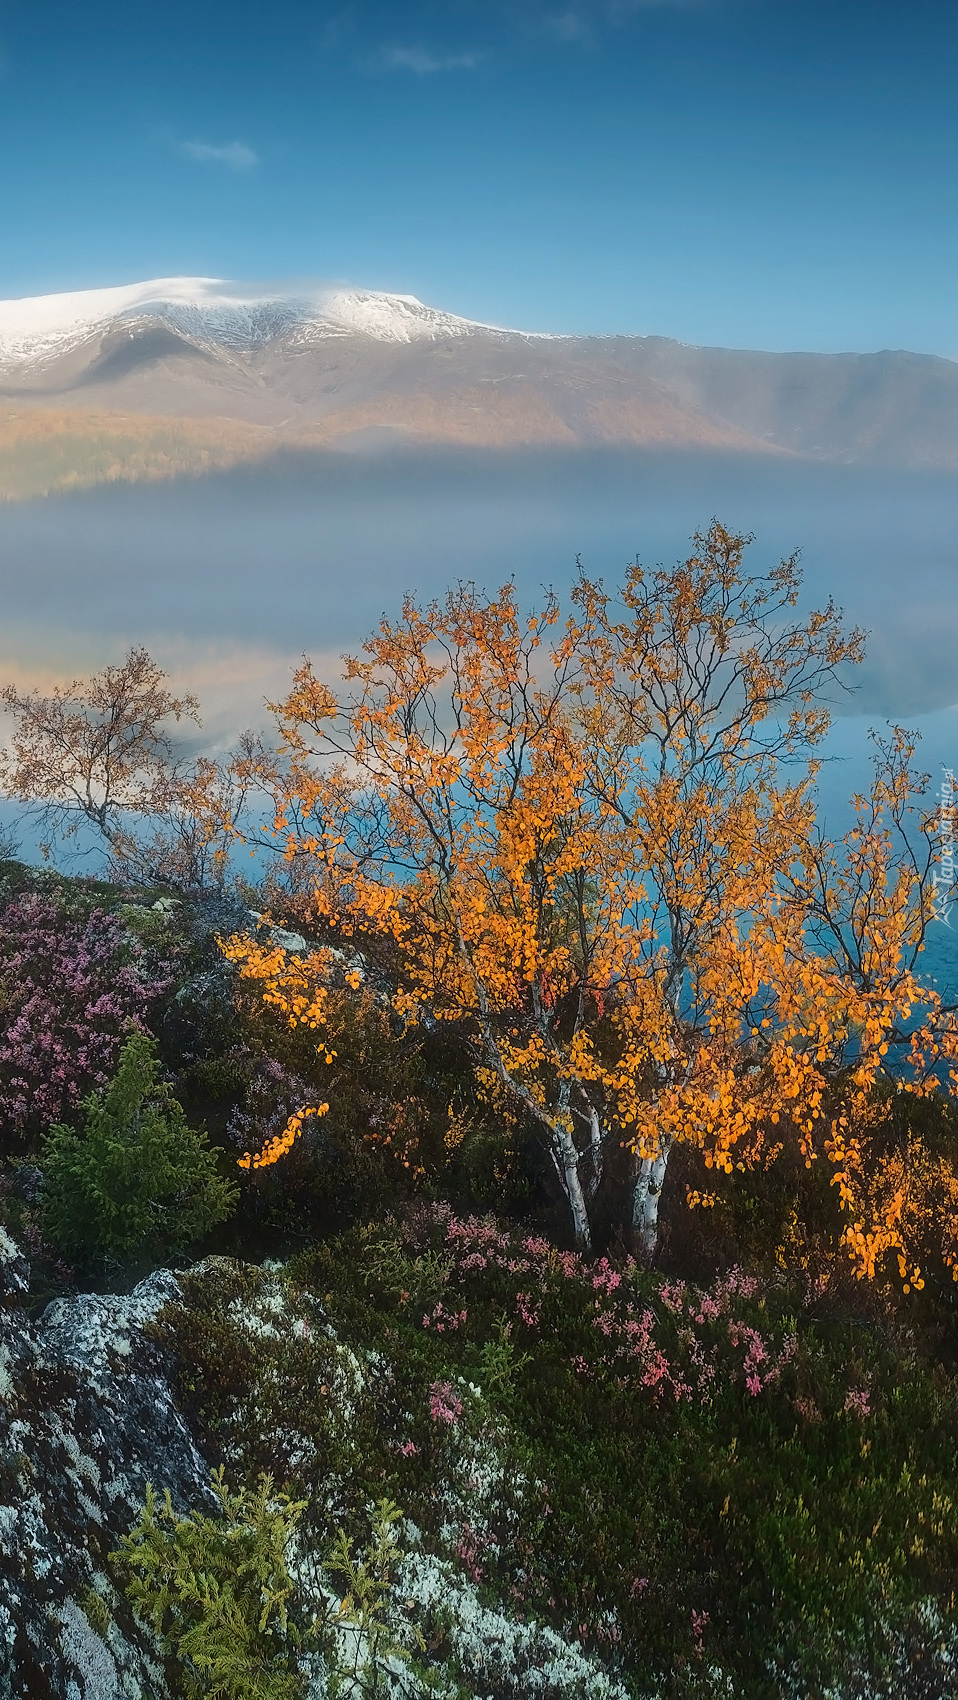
{"points": [[370, 1578], [217, 1590], [733, 1477], [137, 1181]]}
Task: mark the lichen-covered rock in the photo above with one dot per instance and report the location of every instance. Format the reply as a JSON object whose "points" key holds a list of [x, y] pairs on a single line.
{"points": [[14, 1268], [86, 1419]]}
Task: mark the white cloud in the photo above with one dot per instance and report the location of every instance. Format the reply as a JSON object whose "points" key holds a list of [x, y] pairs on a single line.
{"points": [[424, 63], [567, 26], [581, 20], [236, 155]]}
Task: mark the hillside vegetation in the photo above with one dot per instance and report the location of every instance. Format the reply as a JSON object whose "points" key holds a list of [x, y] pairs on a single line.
{"points": [[44, 452], [552, 1150]]}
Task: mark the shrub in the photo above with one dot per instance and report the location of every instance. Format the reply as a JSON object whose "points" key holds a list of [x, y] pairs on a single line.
{"points": [[138, 1181], [217, 1590], [682, 1479], [405, 1116], [221, 1593], [71, 985], [725, 1476]]}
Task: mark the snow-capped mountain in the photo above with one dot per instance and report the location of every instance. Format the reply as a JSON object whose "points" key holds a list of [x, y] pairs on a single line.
{"points": [[38, 329], [321, 366]]}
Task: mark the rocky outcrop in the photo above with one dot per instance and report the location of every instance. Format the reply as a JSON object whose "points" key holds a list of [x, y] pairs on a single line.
{"points": [[86, 1419]]}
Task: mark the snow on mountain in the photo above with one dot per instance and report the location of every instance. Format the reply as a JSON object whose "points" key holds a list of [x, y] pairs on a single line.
{"points": [[38, 328], [388, 318]]}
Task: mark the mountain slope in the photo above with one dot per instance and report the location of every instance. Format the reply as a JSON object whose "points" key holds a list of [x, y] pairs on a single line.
{"points": [[322, 366]]}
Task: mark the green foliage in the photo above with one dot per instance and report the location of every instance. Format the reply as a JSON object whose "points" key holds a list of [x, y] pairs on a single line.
{"points": [[219, 1592], [137, 1181], [796, 1539], [369, 1578], [387, 1136], [817, 1509], [500, 1363], [217, 1589]]}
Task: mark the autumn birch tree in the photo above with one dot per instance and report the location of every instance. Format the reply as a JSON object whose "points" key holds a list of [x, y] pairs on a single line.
{"points": [[588, 839], [698, 687]]}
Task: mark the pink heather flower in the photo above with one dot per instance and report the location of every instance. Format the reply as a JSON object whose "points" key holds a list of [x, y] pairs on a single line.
{"points": [[445, 1406], [655, 1370], [738, 1285], [536, 1247], [481, 1230], [74, 986], [467, 1550], [408, 1448], [441, 1318], [271, 1094], [753, 1384], [528, 1310], [857, 1401], [638, 1332], [605, 1279], [672, 1294]]}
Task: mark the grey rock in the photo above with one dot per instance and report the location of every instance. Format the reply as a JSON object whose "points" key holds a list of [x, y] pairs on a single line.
{"points": [[14, 1268], [293, 942], [87, 1418]]}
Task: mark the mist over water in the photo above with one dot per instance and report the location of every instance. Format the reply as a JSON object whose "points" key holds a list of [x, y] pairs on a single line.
{"points": [[307, 551], [230, 578]]}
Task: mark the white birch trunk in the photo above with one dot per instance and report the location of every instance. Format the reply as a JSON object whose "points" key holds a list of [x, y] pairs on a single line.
{"points": [[646, 1193], [566, 1159], [595, 1153]]}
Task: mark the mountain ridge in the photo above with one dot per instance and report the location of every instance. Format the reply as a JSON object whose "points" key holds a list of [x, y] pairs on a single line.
{"points": [[35, 329], [323, 365]]}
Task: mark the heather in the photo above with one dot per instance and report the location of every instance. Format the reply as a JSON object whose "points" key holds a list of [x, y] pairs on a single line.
{"points": [[72, 984], [681, 1478]]}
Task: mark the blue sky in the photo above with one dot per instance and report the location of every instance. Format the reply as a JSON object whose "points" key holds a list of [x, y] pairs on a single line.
{"points": [[763, 173]]}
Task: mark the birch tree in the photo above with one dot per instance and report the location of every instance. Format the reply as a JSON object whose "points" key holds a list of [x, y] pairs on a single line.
{"points": [[102, 753], [587, 833]]}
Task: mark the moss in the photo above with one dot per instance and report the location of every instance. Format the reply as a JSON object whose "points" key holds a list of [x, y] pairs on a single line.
{"points": [[97, 1612]]}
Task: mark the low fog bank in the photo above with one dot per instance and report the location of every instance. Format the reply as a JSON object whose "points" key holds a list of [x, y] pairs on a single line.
{"points": [[233, 575]]}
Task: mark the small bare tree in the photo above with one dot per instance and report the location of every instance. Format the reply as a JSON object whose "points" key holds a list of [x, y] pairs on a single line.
{"points": [[101, 752]]}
